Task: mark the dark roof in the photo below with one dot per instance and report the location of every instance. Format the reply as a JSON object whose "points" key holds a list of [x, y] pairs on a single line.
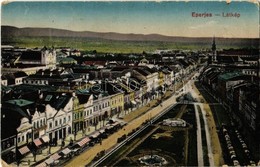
{"points": [[142, 72], [230, 75], [20, 74], [31, 55], [250, 58], [11, 116], [105, 88], [120, 68], [83, 98], [56, 100], [138, 80], [239, 52], [227, 59], [54, 74], [184, 63]]}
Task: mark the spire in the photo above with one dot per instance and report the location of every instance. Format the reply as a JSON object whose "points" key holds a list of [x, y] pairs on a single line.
{"points": [[214, 44]]}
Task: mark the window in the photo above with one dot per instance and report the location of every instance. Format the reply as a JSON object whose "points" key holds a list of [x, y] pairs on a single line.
{"points": [[19, 139], [34, 124], [69, 118], [64, 120], [60, 121], [22, 138], [37, 124], [50, 125], [56, 123]]}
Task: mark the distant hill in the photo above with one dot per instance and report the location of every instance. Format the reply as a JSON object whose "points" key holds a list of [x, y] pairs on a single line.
{"points": [[12, 32], [9, 31]]}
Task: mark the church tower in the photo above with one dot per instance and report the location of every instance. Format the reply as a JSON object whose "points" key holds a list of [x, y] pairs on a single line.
{"points": [[214, 53]]}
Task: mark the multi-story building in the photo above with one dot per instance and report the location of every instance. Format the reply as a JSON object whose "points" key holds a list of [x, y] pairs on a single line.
{"points": [[44, 56]]}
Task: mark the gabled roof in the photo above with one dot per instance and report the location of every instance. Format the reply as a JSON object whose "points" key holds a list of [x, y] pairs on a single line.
{"points": [[83, 98], [56, 100]]}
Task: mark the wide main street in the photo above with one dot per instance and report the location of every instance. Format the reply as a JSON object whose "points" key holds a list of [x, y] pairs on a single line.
{"points": [[215, 157]]}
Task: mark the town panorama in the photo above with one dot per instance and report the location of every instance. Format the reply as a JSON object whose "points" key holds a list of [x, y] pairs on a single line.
{"points": [[130, 84]]}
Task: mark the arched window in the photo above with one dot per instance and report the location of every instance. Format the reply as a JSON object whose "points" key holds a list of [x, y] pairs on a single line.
{"points": [[41, 122]]}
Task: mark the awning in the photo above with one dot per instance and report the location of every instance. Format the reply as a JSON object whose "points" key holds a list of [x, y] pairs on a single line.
{"points": [[75, 150], [55, 156], [95, 135], [43, 164], [102, 131], [37, 142], [66, 151], [83, 141], [24, 150], [108, 127], [133, 102], [45, 139], [115, 124], [49, 161], [138, 101]]}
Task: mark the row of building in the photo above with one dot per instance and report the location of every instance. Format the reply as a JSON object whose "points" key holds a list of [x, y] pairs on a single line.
{"points": [[233, 76], [53, 102]]}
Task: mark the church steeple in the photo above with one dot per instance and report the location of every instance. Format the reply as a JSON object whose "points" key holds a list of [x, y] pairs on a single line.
{"points": [[214, 48], [214, 45]]}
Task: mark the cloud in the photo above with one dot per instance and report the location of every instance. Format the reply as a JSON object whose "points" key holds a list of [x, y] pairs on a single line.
{"points": [[205, 25]]}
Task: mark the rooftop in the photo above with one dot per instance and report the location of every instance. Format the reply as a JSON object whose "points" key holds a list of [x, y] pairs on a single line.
{"points": [[230, 75], [20, 102]]}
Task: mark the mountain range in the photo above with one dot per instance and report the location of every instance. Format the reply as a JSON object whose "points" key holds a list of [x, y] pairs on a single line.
{"points": [[10, 32]]}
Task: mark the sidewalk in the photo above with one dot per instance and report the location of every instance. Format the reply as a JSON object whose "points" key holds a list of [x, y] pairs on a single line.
{"points": [[127, 116], [45, 152], [134, 122]]}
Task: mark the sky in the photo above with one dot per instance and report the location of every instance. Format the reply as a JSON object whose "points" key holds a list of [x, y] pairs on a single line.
{"points": [[166, 18]]}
